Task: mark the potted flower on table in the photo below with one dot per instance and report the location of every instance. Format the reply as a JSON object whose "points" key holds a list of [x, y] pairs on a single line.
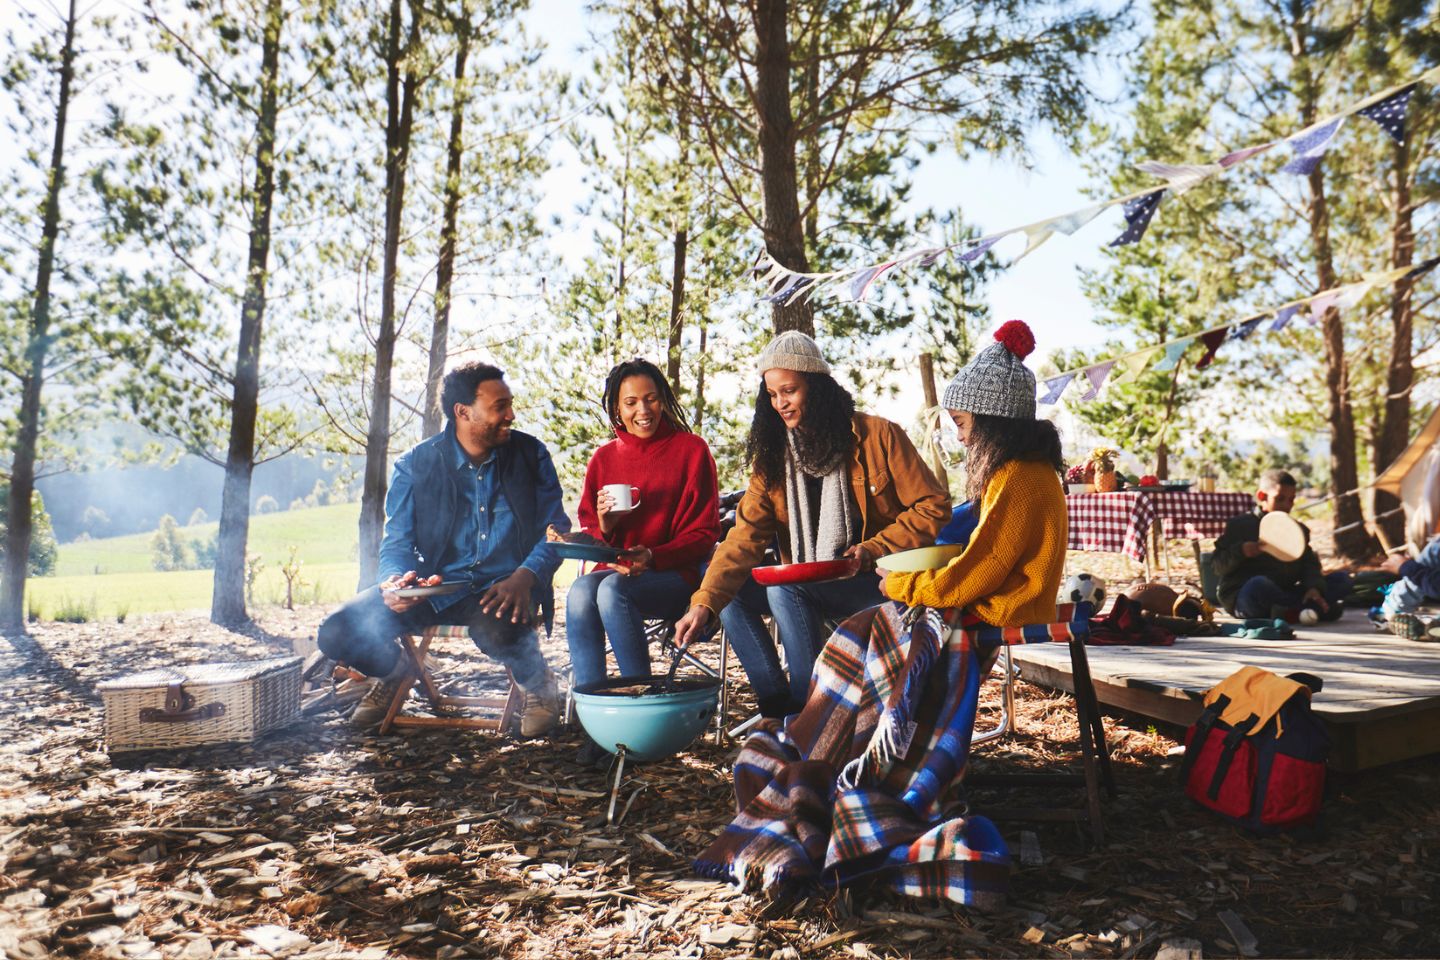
{"points": [[1076, 481], [1102, 460]]}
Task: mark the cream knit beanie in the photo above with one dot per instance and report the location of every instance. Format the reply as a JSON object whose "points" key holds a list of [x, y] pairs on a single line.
{"points": [[792, 350]]}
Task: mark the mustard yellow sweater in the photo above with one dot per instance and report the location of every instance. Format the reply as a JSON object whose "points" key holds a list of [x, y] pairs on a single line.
{"points": [[1010, 573]]}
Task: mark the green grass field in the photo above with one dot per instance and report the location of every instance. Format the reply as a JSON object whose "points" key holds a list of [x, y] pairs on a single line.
{"points": [[100, 580]]}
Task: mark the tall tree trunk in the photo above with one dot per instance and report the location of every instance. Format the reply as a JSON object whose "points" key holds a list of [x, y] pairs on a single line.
{"points": [[399, 116], [22, 470], [677, 308], [1352, 543], [434, 416], [699, 423], [227, 599], [1394, 432], [784, 230]]}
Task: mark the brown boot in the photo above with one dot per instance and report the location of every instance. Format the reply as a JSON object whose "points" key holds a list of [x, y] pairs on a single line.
{"points": [[371, 710], [540, 709]]}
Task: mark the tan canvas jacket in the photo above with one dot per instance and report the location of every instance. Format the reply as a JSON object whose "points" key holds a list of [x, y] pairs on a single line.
{"points": [[902, 506]]}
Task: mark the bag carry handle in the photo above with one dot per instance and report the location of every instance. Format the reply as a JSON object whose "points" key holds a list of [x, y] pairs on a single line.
{"points": [[180, 708]]}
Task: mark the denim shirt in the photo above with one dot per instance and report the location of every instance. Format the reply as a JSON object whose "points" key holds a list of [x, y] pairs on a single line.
{"points": [[485, 546]]}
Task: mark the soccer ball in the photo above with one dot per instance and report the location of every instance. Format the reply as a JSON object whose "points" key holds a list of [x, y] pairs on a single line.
{"points": [[1083, 587]]}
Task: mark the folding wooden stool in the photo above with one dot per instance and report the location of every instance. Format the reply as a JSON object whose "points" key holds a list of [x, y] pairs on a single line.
{"points": [[498, 712], [1072, 629]]}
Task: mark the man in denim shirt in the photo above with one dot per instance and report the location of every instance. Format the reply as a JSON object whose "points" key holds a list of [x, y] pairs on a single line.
{"points": [[470, 504]]}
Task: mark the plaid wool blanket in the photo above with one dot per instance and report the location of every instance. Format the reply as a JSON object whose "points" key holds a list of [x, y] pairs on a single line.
{"points": [[853, 785]]}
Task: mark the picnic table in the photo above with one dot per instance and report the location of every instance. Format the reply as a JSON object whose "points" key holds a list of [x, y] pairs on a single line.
{"points": [[1128, 521]]}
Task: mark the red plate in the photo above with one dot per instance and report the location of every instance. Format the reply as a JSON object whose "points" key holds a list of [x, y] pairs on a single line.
{"points": [[781, 574]]}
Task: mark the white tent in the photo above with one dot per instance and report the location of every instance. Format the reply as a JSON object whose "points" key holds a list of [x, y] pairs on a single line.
{"points": [[1414, 478]]}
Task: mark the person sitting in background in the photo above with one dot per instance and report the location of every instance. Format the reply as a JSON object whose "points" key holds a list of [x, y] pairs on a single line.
{"points": [[1255, 584], [666, 537], [1419, 584], [826, 482], [470, 504]]}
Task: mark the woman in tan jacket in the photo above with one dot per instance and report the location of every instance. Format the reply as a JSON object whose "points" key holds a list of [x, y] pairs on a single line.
{"points": [[826, 482]]}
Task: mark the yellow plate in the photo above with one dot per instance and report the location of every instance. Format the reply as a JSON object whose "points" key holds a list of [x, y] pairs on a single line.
{"points": [[923, 558]]}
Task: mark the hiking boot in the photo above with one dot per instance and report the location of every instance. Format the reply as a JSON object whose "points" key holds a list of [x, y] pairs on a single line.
{"points": [[371, 710], [1407, 626], [540, 710]]}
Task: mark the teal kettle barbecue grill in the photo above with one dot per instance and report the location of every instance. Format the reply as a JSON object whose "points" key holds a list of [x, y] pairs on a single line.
{"points": [[645, 718]]}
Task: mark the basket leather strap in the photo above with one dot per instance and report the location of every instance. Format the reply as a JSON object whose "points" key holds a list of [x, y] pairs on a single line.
{"points": [[180, 708]]}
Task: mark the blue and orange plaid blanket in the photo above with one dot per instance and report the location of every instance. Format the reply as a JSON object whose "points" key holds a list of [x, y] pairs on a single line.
{"points": [[853, 786]]}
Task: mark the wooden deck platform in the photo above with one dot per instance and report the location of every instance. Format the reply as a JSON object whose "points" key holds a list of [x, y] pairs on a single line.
{"points": [[1381, 699]]}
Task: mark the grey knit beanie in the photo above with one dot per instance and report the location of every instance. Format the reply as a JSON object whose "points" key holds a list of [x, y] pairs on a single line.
{"points": [[997, 383], [792, 350]]}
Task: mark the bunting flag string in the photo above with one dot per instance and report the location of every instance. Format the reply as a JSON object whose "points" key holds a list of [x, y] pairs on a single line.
{"points": [[1131, 365], [1308, 147]]}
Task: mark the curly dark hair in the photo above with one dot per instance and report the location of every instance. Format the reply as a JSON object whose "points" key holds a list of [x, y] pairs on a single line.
{"points": [[995, 441], [460, 384], [638, 367], [824, 436]]}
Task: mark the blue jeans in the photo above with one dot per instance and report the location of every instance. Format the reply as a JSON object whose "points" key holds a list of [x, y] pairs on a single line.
{"points": [[1261, 596], [1407, 593], [364, 634], [605, 603], [800, 613]]}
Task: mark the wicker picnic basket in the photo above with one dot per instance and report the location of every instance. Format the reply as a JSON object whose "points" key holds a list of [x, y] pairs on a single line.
{"points": [[200, 703]]}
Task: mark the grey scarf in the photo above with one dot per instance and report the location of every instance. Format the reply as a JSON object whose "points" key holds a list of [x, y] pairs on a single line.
{"points": [[825, 536]]}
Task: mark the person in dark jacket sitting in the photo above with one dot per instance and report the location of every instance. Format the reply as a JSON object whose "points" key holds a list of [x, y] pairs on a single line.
{"points": [[470, 504], [1255, 584]]}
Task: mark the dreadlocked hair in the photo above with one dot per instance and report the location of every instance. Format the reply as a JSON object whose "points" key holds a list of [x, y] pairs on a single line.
{"points": [[637, 367], [995, 441], [824, 437]]}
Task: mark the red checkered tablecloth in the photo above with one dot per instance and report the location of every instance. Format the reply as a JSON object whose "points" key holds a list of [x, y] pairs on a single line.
{"points": [[1120, 522]]}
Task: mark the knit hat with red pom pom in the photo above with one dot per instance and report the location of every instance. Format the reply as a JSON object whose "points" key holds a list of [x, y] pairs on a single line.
{"points": [[997, 383]]}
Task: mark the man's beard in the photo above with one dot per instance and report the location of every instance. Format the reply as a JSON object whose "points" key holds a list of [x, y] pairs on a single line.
{"points": [[495, 436]]}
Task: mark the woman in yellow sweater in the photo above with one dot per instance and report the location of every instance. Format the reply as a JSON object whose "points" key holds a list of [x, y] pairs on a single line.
{"points": [[1010, 572]]}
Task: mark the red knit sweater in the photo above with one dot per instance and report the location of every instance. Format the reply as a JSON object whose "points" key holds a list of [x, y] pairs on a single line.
{"points": [[679, 513]]}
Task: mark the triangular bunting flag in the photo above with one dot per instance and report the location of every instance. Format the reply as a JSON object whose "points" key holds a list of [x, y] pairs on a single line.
{"points": [[788, 287], [1243, 329], [1310, 147], [865, 280], [1096, 375], [1173, 353], [981, 245], [927, 258], [1071, 222], [1240, 156], [1035, 235], [1424, 267], [1054, 387], [1137, 218], [1390, 112], [1180, 176], [1318, 305], [1284, 316], [1133, 365], [1212, 341]]}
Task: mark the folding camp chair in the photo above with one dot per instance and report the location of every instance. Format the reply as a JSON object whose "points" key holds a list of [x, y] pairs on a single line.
{"points": [[496, 713]]}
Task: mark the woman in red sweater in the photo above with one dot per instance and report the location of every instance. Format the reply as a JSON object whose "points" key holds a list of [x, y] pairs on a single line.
{"points": [[667, 535]]}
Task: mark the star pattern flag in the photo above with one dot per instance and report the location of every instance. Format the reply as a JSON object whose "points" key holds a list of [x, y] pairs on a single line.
{"points": [[1284, 316], [1212, 341], [1096, 375], [1244, 328], [1054, 387], [1310, 147], [1137, 217], [975, 252], [791, 286], [1173, 353], [1390, 112], [1425, 267]]}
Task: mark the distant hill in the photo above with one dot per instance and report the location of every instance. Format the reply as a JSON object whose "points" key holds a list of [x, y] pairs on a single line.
{"points": [[323, 535]]}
